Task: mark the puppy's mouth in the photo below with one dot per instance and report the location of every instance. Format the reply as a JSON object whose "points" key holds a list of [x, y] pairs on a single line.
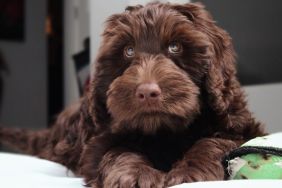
{"points": [[151, 122], [150, 112]]}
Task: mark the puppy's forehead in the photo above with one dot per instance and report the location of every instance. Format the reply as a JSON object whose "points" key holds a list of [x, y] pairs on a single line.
{"points": [[150, 27]]}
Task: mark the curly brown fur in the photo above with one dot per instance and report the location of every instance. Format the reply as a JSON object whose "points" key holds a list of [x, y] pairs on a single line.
{"points": [[198, 112]]}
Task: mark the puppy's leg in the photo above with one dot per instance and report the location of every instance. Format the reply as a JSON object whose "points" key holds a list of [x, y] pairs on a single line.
{"points": [[121, 168], [202, 162], [30, 142], [65, 130], [58, 144], [62, 143]]}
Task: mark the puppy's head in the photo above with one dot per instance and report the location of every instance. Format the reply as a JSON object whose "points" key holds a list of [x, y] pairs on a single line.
{"points": [[156, 64]]}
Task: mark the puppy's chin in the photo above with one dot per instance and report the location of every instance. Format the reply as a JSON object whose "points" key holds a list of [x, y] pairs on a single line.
{"points": [[149, 123]]}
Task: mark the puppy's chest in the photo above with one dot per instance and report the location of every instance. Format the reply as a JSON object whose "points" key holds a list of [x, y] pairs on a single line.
{"points": [[162, 152]]}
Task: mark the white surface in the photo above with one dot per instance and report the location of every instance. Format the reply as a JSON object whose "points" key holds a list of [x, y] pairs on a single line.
{"points": [[234, 184], [265, 102], [30, 172], [273, 140]]}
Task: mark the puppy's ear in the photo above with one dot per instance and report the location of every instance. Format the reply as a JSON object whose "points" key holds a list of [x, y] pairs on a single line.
{"points": [[105, 72], [224, 94], [96, 99]]}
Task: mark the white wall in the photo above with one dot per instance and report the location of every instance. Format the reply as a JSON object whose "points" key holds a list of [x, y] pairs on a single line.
{"points": [[76, 29], [99, 12], [25, 91], [266, 104]]}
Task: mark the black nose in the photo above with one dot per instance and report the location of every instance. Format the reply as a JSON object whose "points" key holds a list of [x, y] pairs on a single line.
{"points": [[148, 91]]}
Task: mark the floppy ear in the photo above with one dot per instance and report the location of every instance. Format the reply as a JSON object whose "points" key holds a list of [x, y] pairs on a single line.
{"points": [[96, 99], [105, 72], [224, 94]]}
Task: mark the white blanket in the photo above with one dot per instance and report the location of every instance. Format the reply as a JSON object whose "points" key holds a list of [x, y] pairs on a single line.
{"points": [[30, 172]]}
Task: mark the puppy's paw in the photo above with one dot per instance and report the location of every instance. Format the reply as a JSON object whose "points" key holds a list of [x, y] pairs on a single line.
{"points": [[177, 176], [141, 178], [151, 179]]}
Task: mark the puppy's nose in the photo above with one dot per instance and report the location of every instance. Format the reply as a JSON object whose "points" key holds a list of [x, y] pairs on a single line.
{"points": [[148, 91]]}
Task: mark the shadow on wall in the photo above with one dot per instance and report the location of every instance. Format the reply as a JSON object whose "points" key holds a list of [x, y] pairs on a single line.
{"points": [[3, 71]]}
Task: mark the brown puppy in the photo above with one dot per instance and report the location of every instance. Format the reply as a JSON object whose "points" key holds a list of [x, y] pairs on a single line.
{"points": [[164, 107]]}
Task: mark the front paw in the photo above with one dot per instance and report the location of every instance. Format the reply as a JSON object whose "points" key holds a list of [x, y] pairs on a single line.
{"points": [[151, 179], [177, 176], [138, 178]]}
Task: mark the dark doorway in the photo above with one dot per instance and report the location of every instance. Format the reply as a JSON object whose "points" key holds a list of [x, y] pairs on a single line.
{"points": [[54, 30]]}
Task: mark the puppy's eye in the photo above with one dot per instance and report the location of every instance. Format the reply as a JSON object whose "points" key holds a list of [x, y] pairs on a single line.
{"points": [[174, 48], [129, 51]]}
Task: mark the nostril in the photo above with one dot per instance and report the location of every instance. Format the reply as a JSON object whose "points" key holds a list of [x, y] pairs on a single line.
{"points": [[141, 96], [154, 94]]}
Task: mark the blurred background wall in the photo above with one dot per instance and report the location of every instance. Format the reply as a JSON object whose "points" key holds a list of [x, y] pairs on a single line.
{"points": [[25, 88], [256, 29]]}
